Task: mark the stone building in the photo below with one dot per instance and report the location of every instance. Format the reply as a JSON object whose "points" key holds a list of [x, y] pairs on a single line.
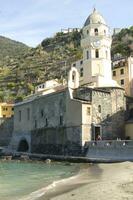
{"points": [[62, 119]]}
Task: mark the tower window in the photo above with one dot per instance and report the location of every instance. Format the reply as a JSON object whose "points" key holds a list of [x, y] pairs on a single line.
{"points": [[122, 81], [114, 73], [106, 54], [122, 71], [99, 108], [97, 53], [96, 31], [87, 54], [81, 72], [87, 32]]}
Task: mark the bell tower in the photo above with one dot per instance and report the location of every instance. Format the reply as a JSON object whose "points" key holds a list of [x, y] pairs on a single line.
{"points": [[96, 44]]}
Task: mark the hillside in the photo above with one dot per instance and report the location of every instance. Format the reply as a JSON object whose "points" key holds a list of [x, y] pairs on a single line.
{"points": [[10, 49], [51, 59], [22, 68]]}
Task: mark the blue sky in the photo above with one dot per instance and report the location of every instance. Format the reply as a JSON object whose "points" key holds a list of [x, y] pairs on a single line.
{"points": [[30, 21]]}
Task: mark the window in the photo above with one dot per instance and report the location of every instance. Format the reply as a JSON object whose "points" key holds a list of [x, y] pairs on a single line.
{"points": [[88, 111], [97, 53], [46, 122], [35, 123], [87, 32], [19, 117], [12, 109], [122, 81], [99, 108], [73, 76], [28, 114], [114, 73], [81, 72], [122, 71], [106, 54], [87, 54], [61, 120], [81, 62], [42, 113], [104, 32], [74, 64], [96, 31]]}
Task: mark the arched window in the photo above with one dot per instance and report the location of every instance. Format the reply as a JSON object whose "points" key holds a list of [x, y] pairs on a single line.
{"points": [[96, 31], [97, 53], [73, 76], [104, 32], [99, 108]]}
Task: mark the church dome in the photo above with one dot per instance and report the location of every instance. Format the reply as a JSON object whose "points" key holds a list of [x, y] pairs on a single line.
{"points": [[95, 18]]}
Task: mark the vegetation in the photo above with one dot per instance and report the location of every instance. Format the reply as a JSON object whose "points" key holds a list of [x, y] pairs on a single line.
{"points": [[123, 42]]}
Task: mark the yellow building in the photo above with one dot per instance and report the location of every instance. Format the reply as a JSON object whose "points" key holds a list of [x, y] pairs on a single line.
{"points": [[6, 110], [122, 72]]}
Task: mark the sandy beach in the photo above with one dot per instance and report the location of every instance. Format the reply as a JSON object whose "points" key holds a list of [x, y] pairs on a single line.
{"points": [[97, 182]]}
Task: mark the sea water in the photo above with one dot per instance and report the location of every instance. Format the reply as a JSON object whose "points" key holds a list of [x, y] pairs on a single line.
{"points": [[29, 180]]}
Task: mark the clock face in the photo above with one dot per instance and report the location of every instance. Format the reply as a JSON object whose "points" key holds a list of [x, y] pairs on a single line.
{"points": [[97, 44]]}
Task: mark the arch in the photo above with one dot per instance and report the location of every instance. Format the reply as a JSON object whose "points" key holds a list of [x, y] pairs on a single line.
{"points": [[73, 81], [96, 31], [23, 145], [73, 76]]}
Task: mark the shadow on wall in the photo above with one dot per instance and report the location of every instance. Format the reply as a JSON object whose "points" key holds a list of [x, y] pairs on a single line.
{"points": [[111, 128], [6, 130]]}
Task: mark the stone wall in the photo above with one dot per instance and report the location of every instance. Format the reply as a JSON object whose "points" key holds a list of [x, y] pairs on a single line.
{"points": [[110, 150], [108, 112], [57, 141]]}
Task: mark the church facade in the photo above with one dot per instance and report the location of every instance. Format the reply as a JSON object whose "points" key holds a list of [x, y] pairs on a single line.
{"points": [[61, 122]]}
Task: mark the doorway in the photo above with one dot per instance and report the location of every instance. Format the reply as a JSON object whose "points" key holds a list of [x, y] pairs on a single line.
{"points": [[97, 132]]}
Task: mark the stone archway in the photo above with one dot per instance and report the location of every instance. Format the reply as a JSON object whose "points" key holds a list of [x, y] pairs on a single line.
{"points": [[23, 146]]}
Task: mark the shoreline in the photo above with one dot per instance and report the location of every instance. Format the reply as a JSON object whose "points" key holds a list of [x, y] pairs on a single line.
{"points": [[97, 182]]}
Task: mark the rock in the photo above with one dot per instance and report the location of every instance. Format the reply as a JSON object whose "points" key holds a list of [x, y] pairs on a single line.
{"points": [[48, 161]]}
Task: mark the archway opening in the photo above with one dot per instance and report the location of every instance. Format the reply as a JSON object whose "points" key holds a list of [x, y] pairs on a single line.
{"points": [[23, 146]]}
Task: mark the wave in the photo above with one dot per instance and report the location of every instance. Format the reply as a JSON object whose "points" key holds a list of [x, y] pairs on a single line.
{"points": [[41, 192]]}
